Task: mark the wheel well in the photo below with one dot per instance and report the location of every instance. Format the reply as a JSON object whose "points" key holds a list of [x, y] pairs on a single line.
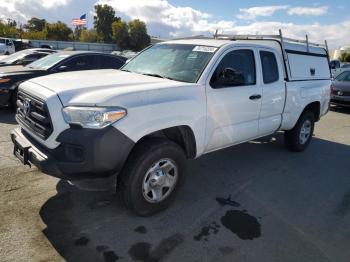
{"points": [[314, 107], [181, 135]]}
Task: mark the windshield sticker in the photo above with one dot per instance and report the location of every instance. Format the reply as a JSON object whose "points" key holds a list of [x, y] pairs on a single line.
{"points": [[206, 49]]}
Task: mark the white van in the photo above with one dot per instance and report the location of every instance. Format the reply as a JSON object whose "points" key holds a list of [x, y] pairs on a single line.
{"points": [[7, 46], [175, 100]]}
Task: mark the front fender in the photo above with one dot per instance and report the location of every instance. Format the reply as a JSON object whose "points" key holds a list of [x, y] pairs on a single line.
{"points": [[181, 106]]}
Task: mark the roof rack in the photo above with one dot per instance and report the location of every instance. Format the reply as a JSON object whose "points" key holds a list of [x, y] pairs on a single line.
{"points": [[278, 37]]}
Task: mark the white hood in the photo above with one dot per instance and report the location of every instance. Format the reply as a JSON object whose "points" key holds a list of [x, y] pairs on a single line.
{"points": [[100, 87]]}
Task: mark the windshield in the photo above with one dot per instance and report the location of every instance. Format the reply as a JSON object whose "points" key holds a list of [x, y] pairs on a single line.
{"points": [[15, 57], [2, 41], [48, 61], [343, 77], [179, 62]]}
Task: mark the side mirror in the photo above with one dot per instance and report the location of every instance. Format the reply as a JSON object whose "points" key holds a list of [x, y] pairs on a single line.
{"points": [[229, 77], [26, 61], [62, 68]]}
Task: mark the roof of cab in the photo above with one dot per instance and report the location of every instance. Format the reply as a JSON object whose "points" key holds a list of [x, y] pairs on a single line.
{"points": [[200, 41]]}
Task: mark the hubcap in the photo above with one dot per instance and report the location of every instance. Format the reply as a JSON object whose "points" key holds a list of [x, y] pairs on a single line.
{"points": [[159, 181], [305, 132]]}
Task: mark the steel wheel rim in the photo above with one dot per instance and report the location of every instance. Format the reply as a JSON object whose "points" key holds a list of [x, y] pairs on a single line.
{"points": [[159, 180], [305, 132]]}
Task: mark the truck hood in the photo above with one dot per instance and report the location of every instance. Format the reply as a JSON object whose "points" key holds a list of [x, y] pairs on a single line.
{"points": [[102, 87]]}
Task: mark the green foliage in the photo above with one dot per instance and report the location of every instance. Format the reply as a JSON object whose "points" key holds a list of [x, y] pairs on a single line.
{"points": [[7, 30], [345, 57], [105, 16], [120, 32], [35, 25], [58, 31], [41, 35], [108, 29], [11, 22], [139, 39], [88, 36], [77, 32]]}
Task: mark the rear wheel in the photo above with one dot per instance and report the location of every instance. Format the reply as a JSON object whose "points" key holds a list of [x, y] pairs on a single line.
{"points": [[152, 176], [300, 136]]}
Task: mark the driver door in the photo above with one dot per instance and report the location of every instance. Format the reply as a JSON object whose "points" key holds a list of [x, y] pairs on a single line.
{"points": [[234, 99]]}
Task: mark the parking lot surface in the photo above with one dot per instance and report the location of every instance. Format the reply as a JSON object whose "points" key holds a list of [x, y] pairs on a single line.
{"points": [[252, 202]]}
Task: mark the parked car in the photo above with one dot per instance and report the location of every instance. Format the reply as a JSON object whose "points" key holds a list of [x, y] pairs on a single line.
{"points": [[11, 77], [175, 100], [25, 57], [7, 46], [340, 94], [337, 67], [21, 44]]}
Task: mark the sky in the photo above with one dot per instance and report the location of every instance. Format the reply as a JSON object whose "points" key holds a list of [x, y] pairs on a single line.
{"points": [[180, 18]]}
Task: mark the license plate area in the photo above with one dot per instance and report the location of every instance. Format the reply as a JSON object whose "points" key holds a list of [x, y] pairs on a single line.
{"points": [[21, 150]]}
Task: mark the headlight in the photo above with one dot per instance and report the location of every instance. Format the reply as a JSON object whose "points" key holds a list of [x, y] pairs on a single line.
{"points": [[93, 117], [4, 80]]}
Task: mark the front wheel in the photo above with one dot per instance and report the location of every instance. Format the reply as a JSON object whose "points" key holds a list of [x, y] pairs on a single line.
{"points": [[300, 136], [151, 176]]}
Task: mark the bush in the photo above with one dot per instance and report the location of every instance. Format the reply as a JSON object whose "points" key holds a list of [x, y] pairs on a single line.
{"points": [[88, 36], [345, 57]]}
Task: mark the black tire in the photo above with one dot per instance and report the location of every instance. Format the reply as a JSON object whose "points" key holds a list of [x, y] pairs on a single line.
{"points": [[292, 137], [7, 53], [133, 175]]}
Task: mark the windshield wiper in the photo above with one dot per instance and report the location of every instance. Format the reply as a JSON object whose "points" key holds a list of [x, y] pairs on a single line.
{"points": [[157, 75]]}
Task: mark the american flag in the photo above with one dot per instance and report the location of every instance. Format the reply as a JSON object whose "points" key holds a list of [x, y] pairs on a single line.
{"points": [[79, 21]]}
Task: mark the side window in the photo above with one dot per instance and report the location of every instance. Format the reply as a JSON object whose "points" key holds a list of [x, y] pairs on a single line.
{"points": [[237, 68], [109, 62], [79, 63], [269, 67]]}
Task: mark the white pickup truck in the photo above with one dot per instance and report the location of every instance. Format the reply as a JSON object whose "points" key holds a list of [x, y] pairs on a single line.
{"points": [[176, 100]]}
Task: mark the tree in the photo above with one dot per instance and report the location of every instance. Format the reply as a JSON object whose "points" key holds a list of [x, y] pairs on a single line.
{"points": [[11, 22], [58, 31], [345, 57], [88, 36], [139, 39], [105, 16], [77, 31], [7, 30], [34, 35], [35, 24], [120, 31]]}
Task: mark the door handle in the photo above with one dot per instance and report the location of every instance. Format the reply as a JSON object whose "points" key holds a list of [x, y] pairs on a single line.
{"points": [[255, 97]]}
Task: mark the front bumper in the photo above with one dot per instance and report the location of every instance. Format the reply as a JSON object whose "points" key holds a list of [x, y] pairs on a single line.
{"points": [[82, 153], [340, 100]]}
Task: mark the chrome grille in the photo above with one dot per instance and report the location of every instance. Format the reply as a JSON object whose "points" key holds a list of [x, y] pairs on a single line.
{"points": [[33, 114]]}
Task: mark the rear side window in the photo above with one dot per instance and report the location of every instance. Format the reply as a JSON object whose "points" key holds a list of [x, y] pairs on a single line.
{"points": [[81, 62], [269, 67], [110, 62]]}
